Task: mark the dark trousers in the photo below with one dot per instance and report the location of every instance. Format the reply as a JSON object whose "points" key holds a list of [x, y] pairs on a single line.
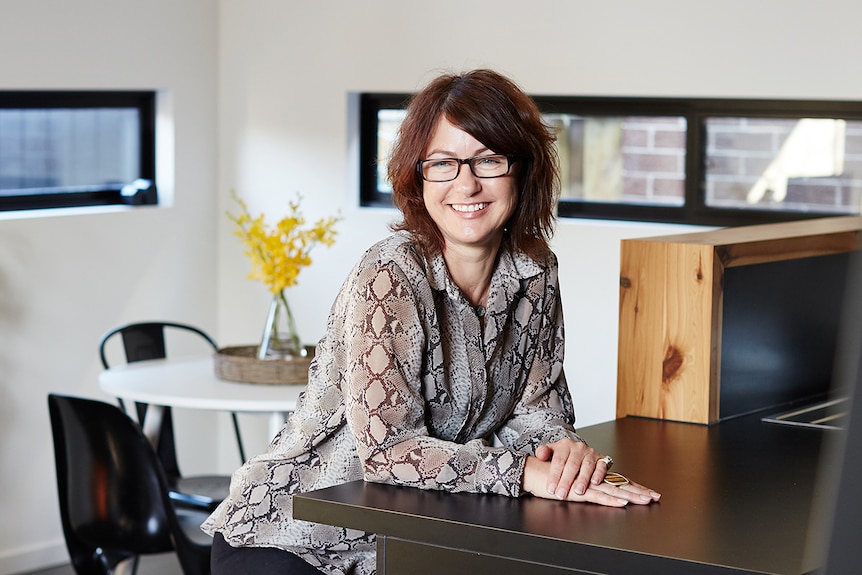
{"points": [[227, 560]]}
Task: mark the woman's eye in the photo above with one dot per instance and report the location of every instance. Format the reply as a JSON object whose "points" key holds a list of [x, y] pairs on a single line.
{"points": [[490, 160]]}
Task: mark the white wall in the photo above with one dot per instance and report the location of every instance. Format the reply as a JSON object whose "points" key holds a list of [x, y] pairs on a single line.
{"points": [[66, 279], [259, 100]]}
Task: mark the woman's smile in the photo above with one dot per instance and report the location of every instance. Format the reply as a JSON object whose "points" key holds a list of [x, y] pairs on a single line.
{"points": [[469, 208]]}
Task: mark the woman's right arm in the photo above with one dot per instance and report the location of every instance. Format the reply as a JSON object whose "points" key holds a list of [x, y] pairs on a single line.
{"points": [[384, 350]]}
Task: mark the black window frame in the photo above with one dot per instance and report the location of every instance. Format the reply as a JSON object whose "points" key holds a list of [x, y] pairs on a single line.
{"points": [[140, 192], [695, 111]]}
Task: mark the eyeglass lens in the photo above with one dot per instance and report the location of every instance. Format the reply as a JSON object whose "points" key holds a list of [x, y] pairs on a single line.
{"points": [[446, 169]]}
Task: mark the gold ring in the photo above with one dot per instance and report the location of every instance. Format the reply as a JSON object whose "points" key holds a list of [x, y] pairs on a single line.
{"points": [[615, 479], [609, 461]]}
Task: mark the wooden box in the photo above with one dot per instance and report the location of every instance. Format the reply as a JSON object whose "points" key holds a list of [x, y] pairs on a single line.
{"points": [[720, 323]]}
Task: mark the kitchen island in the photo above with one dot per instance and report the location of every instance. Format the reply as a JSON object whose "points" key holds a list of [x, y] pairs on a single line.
{"points": [[738, 497]]}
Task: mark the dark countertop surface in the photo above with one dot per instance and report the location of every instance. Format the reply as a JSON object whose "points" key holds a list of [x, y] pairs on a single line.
{"points": [[736, 497]]}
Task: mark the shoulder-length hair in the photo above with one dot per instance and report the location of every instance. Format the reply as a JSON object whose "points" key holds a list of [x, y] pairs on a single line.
{"points": [[494, 110]]}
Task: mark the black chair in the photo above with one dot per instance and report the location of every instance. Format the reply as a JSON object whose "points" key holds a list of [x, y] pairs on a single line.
{"points": [[146, 340], [113, 494]]}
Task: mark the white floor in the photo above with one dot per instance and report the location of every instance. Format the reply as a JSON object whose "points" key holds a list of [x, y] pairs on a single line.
{"points": [[165, 564]]}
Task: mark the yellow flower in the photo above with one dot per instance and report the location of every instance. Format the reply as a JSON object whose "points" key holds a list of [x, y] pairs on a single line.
{"points": [[279, 253]]}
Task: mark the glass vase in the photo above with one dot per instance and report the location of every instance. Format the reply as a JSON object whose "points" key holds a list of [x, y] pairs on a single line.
{"points": [[280, 339]]}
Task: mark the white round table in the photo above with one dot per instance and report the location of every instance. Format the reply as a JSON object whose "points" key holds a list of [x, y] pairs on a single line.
{"points": [[192, 383]]}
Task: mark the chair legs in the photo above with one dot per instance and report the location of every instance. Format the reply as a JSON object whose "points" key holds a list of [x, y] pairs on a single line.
{"points": [[238, 437]]}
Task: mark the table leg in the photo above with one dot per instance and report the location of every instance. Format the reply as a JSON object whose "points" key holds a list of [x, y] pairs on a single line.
{"points": [[152, 423], [276, 422]]}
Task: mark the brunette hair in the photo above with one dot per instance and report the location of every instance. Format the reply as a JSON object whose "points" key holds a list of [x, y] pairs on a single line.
{"points": [[494, 110]]}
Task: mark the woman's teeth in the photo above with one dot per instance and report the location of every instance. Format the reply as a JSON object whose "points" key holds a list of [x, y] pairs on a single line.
{"points": [[468, 207]]}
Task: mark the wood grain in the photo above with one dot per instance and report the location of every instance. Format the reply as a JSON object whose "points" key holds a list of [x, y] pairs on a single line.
{"points": [[671, 298]]}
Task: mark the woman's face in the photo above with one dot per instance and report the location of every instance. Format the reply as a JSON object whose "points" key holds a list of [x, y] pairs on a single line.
{"points": [[469, 211]]}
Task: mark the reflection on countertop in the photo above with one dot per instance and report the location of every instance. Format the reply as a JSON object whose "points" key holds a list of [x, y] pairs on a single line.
{"points": [[829, 414]]}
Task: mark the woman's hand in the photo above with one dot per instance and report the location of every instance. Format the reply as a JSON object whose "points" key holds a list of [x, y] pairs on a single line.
{"points": [[574, 466], [571, 470]]}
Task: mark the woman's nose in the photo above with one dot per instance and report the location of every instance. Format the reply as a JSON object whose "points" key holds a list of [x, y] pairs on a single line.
{"points": [[466, 182]]}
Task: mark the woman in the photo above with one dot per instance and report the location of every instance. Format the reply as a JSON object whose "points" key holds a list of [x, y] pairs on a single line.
{"points": [[445, 335]]}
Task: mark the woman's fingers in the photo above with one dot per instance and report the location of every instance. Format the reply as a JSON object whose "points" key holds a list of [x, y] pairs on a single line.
{"points": [[572, 465], [558, 479], [603, 465], [599, 497], [544, 453], [632, 492], [642, 490], [584, 473]]}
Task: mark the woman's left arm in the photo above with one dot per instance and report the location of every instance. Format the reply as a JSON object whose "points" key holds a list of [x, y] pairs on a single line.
{"points": [[563, 465]]}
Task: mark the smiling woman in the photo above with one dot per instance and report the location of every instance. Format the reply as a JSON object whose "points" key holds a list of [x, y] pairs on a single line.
{"points": [[444, 335]]}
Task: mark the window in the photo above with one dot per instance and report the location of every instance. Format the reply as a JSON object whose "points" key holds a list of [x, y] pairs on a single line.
{"points": [[72, 149], [693, 161], [379, 118]]}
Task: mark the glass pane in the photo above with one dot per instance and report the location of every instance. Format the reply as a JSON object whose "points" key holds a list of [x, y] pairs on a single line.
{"points": [[622, 159], [388, 122], [797, 165], [68, 148]]}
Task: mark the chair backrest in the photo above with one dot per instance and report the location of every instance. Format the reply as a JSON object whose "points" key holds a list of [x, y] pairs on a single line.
{"points": [[113, 495], [146, 340]]}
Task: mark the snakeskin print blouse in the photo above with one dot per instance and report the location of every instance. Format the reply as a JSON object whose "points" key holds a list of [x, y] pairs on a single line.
{"points": [[409, 386]]}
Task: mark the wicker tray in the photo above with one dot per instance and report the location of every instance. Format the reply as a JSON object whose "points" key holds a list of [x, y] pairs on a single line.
{"points": [[241, 364]]}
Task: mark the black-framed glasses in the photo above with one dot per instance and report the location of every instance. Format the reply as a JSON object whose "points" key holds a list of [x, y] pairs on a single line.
{"points": [[447, 169]]}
